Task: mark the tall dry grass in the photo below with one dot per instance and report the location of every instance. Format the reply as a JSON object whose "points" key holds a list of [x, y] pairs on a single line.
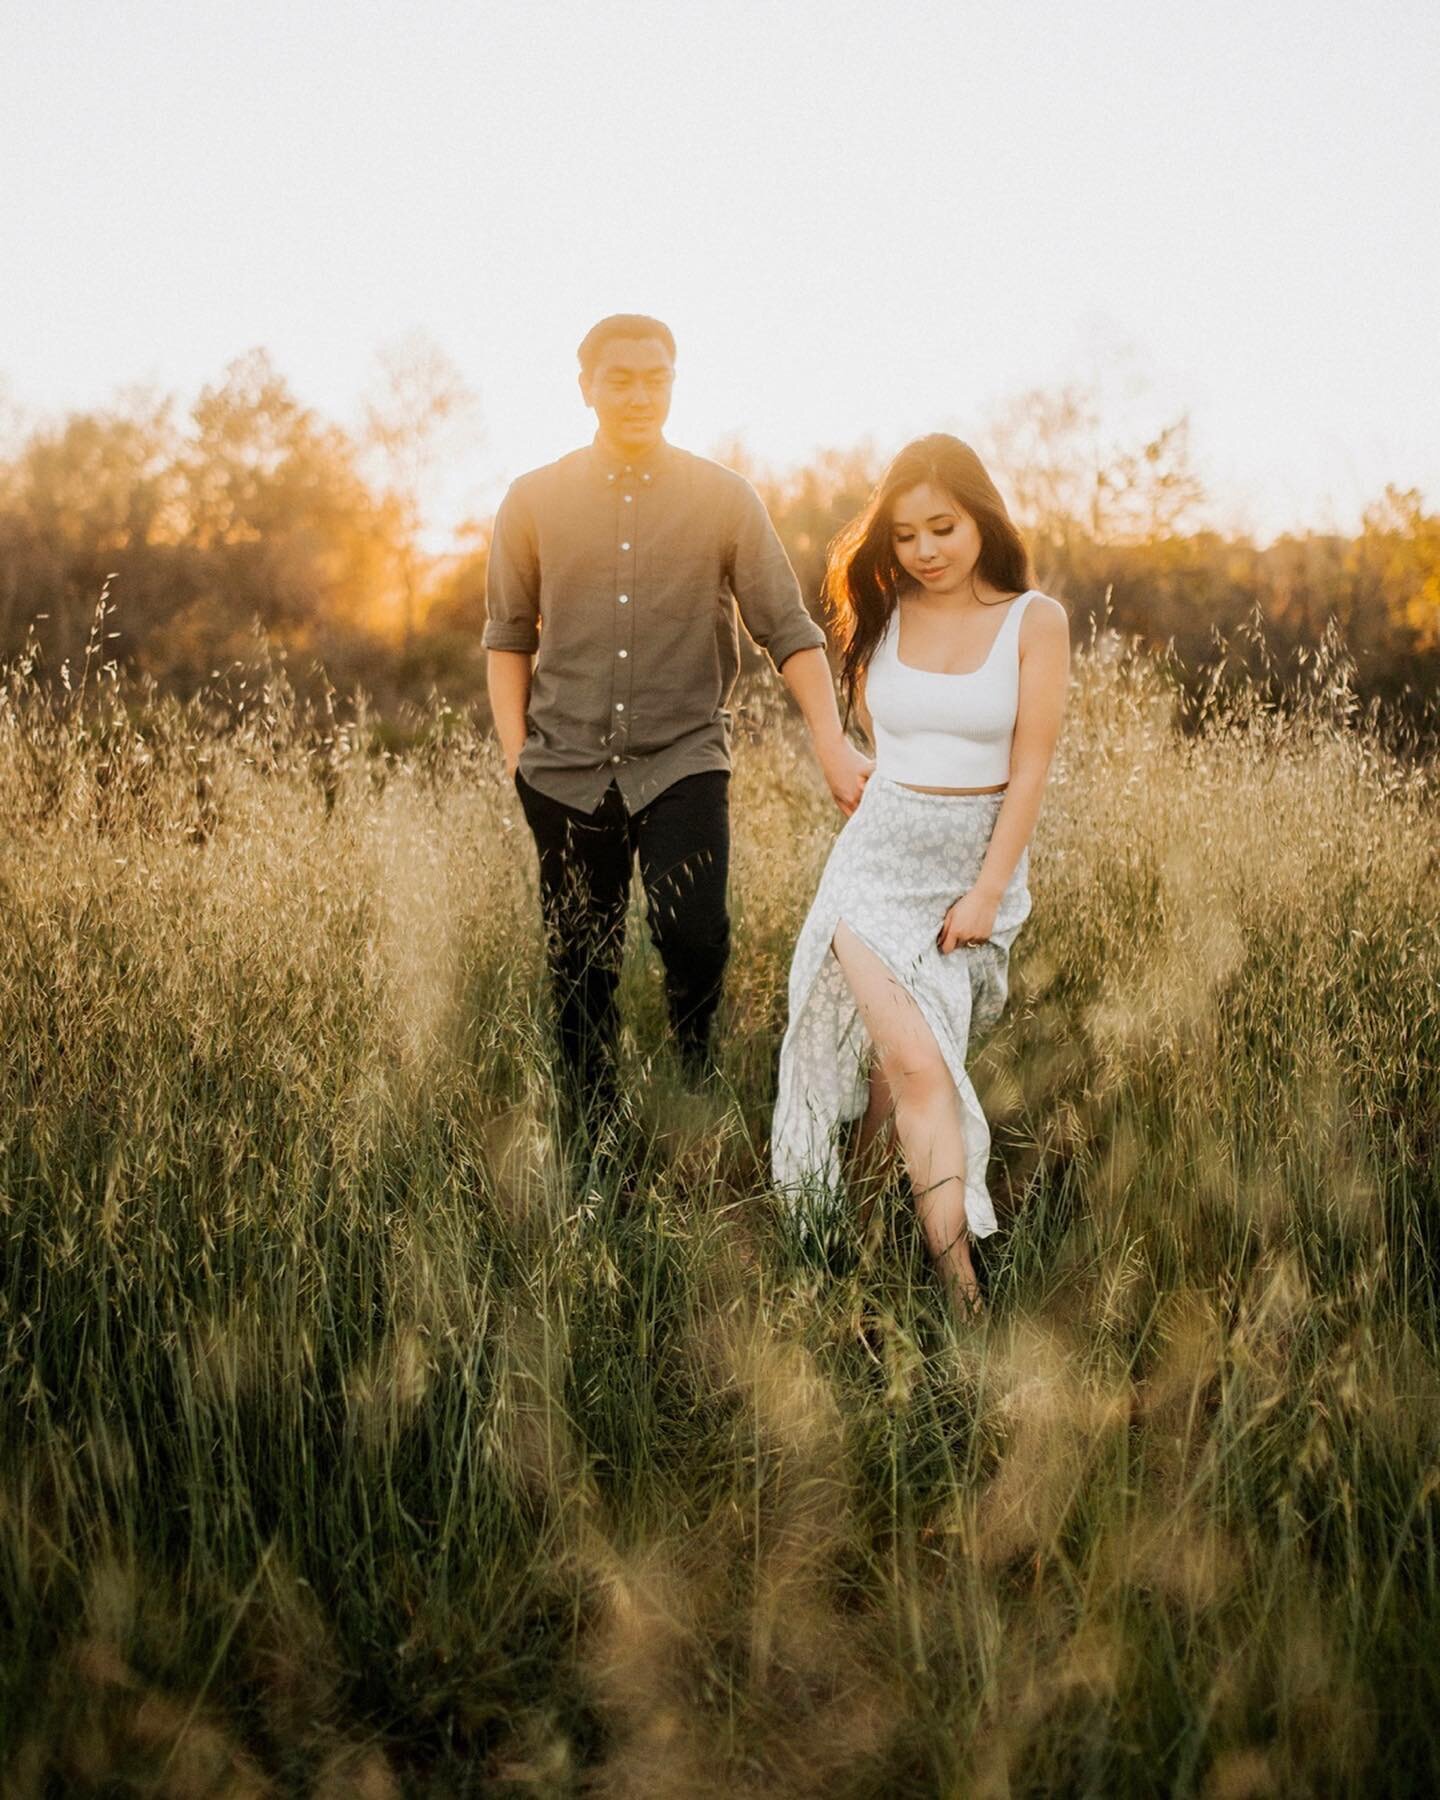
{"points": [[352, 1447]]}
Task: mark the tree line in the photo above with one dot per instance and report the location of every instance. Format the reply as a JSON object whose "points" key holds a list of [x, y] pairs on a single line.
{"points": [[249, 517]]}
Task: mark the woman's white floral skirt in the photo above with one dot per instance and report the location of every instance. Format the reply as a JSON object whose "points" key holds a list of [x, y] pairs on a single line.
{"points": [[897, 866]]}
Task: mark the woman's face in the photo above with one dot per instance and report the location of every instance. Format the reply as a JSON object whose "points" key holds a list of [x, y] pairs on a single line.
{"points": [[936, 541]]}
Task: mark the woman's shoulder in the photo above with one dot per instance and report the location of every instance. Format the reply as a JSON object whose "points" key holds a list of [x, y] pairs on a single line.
{"points": [[1045, 620]]}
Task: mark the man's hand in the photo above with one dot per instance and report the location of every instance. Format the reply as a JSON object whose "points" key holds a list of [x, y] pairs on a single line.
{"points": [[846, 771], [807, 675], [969, 921]]}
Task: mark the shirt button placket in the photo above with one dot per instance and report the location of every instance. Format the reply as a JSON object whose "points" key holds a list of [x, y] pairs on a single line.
{"points": [[623, 680]]}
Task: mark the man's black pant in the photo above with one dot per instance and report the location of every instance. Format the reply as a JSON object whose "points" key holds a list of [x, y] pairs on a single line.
{"points": [[683, 841]]}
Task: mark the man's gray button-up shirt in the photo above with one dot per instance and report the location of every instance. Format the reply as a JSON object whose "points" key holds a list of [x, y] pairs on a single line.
{"points": [[623, 579]]}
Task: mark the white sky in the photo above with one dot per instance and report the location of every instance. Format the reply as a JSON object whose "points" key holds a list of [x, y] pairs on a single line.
{"points": [[860, 219]]}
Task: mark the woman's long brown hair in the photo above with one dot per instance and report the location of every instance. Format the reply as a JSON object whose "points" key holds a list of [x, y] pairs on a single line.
{"points": [[863, 576]]}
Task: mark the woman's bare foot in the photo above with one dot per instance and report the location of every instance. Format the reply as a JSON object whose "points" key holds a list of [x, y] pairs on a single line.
{"points": [[962, 1289]]}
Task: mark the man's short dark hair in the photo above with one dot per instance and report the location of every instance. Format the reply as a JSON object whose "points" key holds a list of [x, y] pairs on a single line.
{"points": [[621, 325]]}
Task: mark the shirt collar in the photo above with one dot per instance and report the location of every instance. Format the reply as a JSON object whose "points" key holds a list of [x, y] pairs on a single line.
{"points": [[612, 469]]}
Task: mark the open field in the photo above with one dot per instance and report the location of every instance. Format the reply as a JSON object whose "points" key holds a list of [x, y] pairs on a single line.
{"points": [[348, 1450]]}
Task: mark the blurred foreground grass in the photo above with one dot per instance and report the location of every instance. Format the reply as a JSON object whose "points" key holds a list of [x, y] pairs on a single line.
{"points": [[350, 1450]]}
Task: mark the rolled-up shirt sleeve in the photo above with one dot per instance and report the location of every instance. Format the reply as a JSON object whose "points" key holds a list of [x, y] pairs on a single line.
{"points": [[512, 580], [764, 584]]}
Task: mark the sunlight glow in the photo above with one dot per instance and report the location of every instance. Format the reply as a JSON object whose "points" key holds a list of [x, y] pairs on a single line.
{"points": [[861, 221]]}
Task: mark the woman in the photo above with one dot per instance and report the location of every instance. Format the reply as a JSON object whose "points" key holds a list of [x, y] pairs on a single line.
{"points": [[962, 667]]}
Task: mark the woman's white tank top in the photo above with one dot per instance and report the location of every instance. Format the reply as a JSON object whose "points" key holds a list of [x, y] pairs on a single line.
{"points": [[934, 730]]}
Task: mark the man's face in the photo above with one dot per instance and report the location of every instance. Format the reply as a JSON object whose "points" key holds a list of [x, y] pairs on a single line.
{"points": [[629, 388]]}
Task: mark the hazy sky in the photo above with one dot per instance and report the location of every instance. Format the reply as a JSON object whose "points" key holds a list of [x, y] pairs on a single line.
{"points": [[860, 219]]}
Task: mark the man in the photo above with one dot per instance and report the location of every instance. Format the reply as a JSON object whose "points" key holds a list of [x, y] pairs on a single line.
{"points": [[612, 646]]}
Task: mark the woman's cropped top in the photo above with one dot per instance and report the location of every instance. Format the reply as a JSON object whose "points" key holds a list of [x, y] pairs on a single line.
{"points": [[934, 730]]}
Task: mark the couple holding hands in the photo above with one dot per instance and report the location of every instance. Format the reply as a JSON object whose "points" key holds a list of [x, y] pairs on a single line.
{"points": [[612, 649]]}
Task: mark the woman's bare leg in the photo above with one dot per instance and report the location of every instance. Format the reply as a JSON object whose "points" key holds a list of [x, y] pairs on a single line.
{"points": [[873, 1142], [926, 1108], [879, 1117]]}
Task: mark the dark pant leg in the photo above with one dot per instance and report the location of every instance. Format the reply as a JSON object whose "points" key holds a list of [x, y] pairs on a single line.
{"points": [[585, 862], [683, 837]]}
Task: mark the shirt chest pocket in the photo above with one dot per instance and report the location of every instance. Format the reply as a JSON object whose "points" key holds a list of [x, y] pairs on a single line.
{"points": [[687, 586]]}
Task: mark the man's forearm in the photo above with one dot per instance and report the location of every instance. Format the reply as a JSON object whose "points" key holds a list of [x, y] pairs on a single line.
{"points": [[507, 676], [807, 675]]}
